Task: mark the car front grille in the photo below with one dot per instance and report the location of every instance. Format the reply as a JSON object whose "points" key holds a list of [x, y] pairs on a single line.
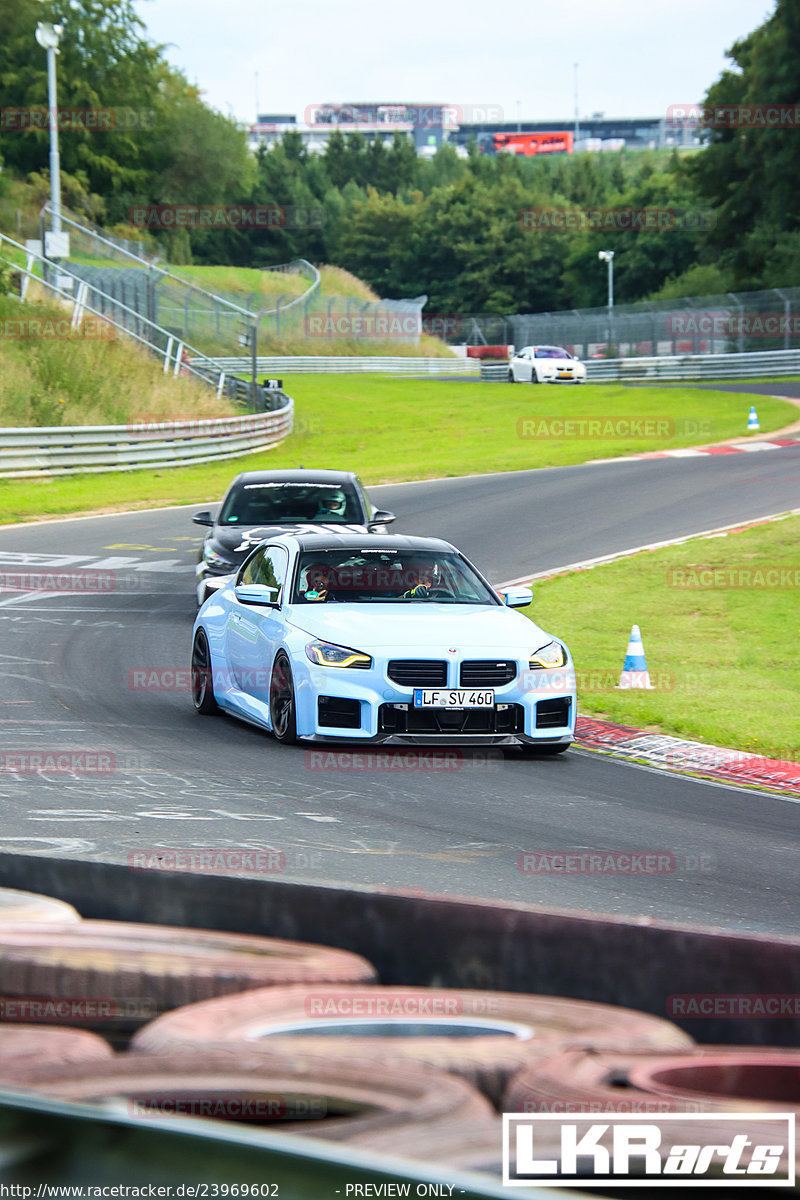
{"points": [[393, 719], [417, 672], [487, 673]]}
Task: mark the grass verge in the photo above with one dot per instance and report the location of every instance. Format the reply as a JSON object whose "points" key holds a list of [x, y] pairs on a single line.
{"points": [[390, 429], [719, 621], [53, 375]]}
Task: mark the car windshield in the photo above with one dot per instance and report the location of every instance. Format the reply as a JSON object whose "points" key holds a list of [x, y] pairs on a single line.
{"points": [[388, 576], [274, 502], [551, 352]]}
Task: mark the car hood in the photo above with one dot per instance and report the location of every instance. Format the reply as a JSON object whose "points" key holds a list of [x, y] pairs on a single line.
{"points": [[242, 538], [367, 626], [560, 363]]}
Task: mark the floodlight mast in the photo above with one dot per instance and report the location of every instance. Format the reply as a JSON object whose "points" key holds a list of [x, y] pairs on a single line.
{"points": [[48, 36], [608, 256]]}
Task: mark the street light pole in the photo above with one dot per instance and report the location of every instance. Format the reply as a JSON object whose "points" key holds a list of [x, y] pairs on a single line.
{"points": [[49, 36], [608, 256]]}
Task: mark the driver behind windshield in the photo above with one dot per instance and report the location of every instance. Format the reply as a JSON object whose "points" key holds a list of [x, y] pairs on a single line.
{"points": [[330, 506]]}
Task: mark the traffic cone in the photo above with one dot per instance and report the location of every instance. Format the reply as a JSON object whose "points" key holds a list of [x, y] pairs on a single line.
{"points": [[752, 421], [634, 669]]}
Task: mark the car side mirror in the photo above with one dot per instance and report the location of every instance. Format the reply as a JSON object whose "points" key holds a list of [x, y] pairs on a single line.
{"points": [[256, 593], [381, 517], [203, 518], [516, 597]]}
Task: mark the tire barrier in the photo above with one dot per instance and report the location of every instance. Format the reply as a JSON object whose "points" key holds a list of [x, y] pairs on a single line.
{"points": [[482, 1036], [30, 906], [721, 1074], [27, 1047], [339, 1099], [701, 1079], [128, 973]]}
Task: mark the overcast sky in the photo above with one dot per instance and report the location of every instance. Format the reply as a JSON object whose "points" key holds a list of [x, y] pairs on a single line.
{"points": [[635, 57]]}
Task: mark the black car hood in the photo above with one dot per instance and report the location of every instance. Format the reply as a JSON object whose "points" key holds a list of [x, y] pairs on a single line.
{"points": [[238, 540]]}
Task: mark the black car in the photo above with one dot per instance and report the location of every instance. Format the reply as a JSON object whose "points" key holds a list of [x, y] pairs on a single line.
{"points": [[261, 504]]}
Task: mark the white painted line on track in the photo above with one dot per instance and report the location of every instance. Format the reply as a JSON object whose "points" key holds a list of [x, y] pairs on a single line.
{"points": [[587, 563]]}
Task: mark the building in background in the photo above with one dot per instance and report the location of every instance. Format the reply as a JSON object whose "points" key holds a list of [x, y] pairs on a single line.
{"points": [[431, 125], [597, 132]]}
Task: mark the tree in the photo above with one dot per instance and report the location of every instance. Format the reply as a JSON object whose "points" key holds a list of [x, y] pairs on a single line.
{"points": [[750, 173]]}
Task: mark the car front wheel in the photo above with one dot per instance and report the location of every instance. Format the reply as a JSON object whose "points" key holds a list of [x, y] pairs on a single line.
{"points": [[202, 676], [282, 713], [511, 378], [534, 377]]}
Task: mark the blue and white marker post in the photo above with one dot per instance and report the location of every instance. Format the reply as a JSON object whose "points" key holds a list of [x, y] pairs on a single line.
{"points": [[634, 669], [752, 421]]}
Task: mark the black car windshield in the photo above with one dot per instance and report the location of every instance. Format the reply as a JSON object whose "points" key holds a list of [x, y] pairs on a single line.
{"points": [[387, 576], [550, 352], [274, 502]]}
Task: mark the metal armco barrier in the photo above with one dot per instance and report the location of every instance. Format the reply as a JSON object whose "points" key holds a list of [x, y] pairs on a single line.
{"points": [[74, 450], [687, 366], [312, 364], [696, 366]]}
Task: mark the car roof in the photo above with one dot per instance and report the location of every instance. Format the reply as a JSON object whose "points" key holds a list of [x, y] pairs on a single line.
{"points": [[296, 476], [325, 540]]}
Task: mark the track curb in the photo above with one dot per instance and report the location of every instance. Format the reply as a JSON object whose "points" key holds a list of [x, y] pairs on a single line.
{"points": [[665, 752]]}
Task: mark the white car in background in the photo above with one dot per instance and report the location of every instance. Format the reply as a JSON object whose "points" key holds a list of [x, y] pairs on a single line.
{"points": [[545, 364]]}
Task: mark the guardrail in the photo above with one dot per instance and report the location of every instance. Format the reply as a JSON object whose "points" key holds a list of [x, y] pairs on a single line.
{"points": [[322, 365], [73, 450], [687, 366], [697, 366]]}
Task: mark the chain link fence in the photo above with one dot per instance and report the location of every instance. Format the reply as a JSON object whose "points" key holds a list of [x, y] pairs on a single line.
{"points": [[733, 323], [122, 276]]}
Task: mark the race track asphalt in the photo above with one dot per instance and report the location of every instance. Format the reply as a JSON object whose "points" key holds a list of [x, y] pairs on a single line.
{"points": [[162, 777]]}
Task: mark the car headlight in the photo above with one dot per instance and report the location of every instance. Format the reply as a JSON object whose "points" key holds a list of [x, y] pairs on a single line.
{"points": [[216, 560], [325, 654], [551, 655]]}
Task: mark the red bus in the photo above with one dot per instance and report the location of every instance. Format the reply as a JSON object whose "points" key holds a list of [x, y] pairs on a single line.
{"points": [[528, 144]]}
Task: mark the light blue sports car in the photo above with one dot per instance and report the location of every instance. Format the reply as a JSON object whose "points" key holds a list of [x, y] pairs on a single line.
{"points": [[338, 637]]}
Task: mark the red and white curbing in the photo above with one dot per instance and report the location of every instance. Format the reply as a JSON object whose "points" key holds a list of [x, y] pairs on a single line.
{"points": [[696, 758], [671, 753], [723, 448]]}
